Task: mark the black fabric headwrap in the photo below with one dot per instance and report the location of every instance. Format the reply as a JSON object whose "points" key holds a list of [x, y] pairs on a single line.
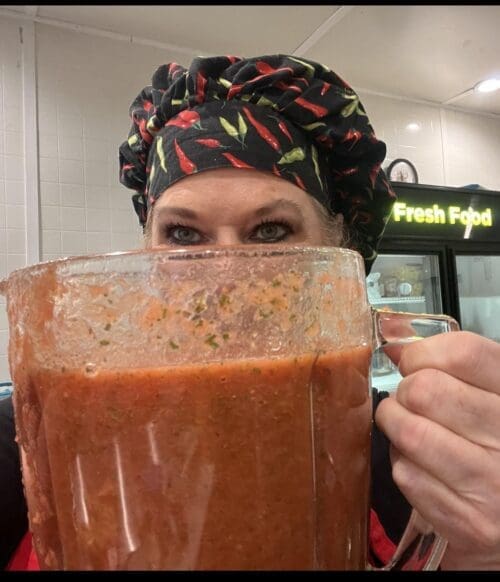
{"points": [[292, 117]]}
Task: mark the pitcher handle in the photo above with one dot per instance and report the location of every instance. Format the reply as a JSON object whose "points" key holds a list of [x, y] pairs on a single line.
{"points": [[420, 547]]}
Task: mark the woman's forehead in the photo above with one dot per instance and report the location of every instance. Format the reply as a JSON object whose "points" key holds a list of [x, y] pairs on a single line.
{"points": [[232, 186]]}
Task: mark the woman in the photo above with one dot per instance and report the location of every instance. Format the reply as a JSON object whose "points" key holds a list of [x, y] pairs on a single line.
{"points": [[278, 149]]}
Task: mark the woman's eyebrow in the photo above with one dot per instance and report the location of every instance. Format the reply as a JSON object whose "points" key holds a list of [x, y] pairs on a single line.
{"points": [[179, 211], [280, 204], [266, 209]]}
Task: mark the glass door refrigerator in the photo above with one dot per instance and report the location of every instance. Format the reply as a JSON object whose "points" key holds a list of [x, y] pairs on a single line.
{"points": [[440, 254]]}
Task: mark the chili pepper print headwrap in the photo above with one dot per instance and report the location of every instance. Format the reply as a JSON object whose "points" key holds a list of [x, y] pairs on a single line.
{"points": [[292, 117]]}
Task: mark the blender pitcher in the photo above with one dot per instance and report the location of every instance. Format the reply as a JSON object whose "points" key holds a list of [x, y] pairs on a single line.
{"points": [[206, 409]]}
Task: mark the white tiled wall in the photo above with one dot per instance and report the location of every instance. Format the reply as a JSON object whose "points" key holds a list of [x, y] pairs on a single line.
{"points": [[85, 85], [472, 146], [390, 118], [12, 210], [451, 148]]}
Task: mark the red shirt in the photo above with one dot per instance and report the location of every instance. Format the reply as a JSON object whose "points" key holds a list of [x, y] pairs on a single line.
{"points": [[381, 548]]}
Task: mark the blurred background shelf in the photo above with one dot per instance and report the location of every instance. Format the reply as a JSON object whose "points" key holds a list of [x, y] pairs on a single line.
{"points": [[395, 300], [5, 389]]}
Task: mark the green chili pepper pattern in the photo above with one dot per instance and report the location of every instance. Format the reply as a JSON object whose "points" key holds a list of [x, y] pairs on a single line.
{"points": [[351, 108], [228, 128], [242, 127], [297, 154], [315, 125], [224, 82], [314, 156], [263, 101], [309, 67], [161, 154]]}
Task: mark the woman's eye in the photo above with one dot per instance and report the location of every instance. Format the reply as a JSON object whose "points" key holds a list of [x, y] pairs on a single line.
{"points": [[271, 231], [183, 235]]}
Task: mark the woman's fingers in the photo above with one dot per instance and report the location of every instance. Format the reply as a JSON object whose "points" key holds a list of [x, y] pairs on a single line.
{"points": [[452, 459], [471, 533], [462, 354], [444, 423], [471, 413]]}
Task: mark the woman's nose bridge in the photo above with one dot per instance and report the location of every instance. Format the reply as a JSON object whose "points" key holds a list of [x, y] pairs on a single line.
{"points": [[228, 235]]}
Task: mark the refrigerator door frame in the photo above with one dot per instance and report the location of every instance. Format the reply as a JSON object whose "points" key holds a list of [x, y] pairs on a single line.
{"points": [[446, 251], [417, 246], [465, 248]]}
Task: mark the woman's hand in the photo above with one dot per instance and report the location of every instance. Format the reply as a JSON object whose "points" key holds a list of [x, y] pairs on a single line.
{"points": [[444, 426]]}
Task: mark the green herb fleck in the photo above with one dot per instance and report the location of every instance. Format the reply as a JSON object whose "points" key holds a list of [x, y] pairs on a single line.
{"points": [[164, 313], [225, 336], [276, 283], [265, 314], [198, 323], [224, 300], [107, 327], [211, 341], [173, 345], [199, 308], [293, 317], [114, 413], [104, 343]]}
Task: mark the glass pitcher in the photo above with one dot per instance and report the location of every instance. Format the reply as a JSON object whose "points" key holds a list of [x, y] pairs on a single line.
{"points": [[206, 409]]}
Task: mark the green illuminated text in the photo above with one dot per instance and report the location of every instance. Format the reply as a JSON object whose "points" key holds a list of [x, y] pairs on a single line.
{"points": [[434, 214]]}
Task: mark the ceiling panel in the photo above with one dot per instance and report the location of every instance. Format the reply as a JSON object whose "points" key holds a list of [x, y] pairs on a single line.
{"points": [[16, 8], [430, 53], [421, 52], [480, 102], [240, 30]]}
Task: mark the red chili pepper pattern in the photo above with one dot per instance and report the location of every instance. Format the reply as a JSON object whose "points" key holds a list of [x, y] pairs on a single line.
{"points": [[282, 114], [146, 136], [263, 131], [265, 69], [276, 171], [300, 184], [373, 174], [352, 135], [186, 165], [284, 87], [201, 83], [235, 89], [318, 110], [186, 118], [209, 143], [236, 162], [326, 87], [284, 130]]}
